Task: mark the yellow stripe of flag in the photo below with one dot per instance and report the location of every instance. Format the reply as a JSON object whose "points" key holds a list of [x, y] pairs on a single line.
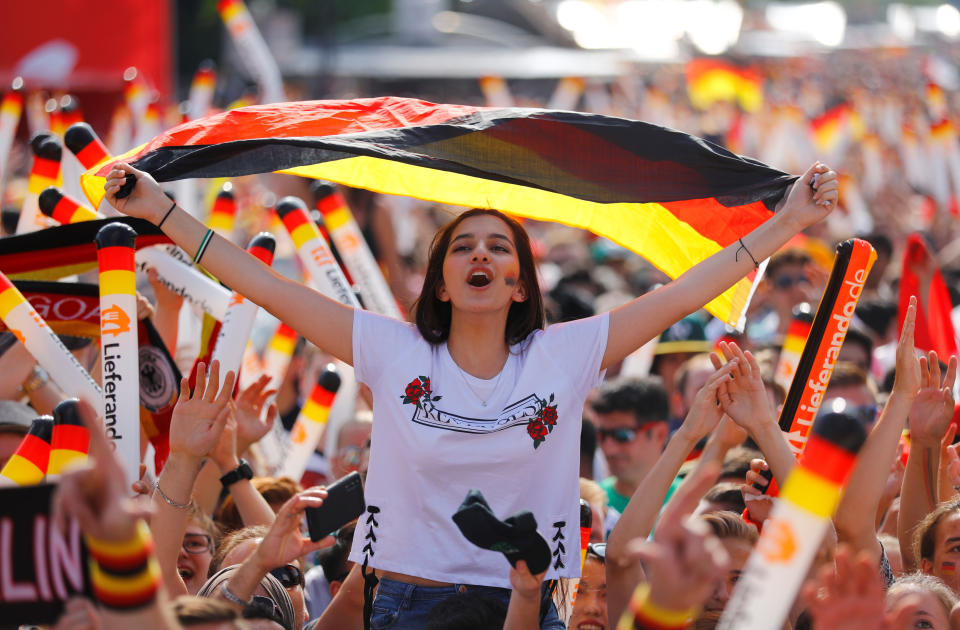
{"points": [[37, 183], [61, 458], [283, 345], [116, 281], [220, 221], [811, 492]]}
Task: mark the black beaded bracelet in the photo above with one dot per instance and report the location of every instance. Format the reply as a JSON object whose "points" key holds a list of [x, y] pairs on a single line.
{"points": [[160, 225]]}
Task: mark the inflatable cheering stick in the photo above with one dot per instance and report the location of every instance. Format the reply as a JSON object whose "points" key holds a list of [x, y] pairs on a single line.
{"points": [[224, 212], [28, 465], [91, 152], [306, 431], [11, 107], [44, 345], [354, 251], [63, 208], [120, 353], [201, 90], [44, 172], [238, 321], [854, 260], [252, 49], [71, 440], [793, 344], [314, 252], [794, 531]]}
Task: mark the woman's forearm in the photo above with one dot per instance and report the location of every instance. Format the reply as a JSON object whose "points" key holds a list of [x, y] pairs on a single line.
{"points": [[640, 320]]}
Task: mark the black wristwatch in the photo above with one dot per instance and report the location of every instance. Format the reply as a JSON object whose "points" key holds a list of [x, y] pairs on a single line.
{"points": [[243, 471]]}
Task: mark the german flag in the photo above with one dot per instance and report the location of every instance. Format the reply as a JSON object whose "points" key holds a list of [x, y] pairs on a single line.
{"points": [[712, 81], [670, 197], [65, 250]]}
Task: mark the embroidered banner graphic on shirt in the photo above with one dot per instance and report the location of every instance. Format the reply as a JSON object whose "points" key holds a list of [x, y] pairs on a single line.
{"points": [[672, 198]]}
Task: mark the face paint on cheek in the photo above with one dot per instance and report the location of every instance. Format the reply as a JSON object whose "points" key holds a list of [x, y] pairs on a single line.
{"points": [[510, 280], [948, 568]]}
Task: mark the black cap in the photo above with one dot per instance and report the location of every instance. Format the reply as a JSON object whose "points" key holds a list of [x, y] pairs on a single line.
{"points": [[289, 204], [116, 234], [78, 136], [49, 199], [329, 379], [68, 412]]}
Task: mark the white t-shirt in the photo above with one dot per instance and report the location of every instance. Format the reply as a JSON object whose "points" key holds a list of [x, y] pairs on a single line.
{"points": [[433, 440]]}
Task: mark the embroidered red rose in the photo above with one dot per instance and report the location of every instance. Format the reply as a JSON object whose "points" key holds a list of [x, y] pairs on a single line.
{"points": [[536, 429], [414, 390], [549, 415], [426, 385]]}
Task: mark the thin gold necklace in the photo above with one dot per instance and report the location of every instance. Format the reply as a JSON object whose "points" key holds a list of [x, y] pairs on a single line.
{"points": [[496, 384]]}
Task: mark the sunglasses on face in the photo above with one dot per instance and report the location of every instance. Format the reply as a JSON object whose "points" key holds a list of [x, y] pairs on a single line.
{"points": [[786, 281], [353, 455], [197, 543], [289, 575], [620, 436]]}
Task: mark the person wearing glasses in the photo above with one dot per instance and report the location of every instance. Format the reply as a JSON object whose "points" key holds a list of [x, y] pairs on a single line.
{"points": [[788, 281], [631, 416], [478, 392], [196, 551], [590, 606]]}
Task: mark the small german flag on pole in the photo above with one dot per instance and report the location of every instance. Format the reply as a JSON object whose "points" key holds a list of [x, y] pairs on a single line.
{"points": [[11, 107]]}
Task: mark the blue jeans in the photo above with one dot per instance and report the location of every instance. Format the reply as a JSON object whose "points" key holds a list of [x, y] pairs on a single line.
{"points": [[403, 606]]}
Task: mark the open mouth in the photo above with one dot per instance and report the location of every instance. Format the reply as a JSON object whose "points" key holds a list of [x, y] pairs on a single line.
{"points": [[589, 625], [478, 279], [185, 573]]}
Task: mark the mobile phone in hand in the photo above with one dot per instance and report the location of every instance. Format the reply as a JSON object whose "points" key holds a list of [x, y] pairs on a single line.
{"points": [[343, 504]]}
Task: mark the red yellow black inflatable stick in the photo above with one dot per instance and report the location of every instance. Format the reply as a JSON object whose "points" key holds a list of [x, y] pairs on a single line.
{"points": [[241, 312], [308, 427], [120, 354], [314, 251], [71, 440], [854, 259], [41, 342], [28, 464], [63, 208], [44, 172], [354, 251]]}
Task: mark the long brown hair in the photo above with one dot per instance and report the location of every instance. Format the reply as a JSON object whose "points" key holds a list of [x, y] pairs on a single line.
{"points": [[433, 315]]}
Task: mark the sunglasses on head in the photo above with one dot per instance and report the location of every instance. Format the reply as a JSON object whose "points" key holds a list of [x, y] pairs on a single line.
{"points": [[261, 607], [289, 575]]}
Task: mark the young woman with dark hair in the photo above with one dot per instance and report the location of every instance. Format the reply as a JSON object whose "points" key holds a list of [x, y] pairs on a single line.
{"points": [[478, 394]]}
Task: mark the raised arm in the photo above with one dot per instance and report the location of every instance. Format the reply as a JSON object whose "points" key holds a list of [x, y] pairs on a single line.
{"points": [[865, 487], [929, 417], [195, 427], [640, 320], [325, 322], [744, 398], [641, 512]]}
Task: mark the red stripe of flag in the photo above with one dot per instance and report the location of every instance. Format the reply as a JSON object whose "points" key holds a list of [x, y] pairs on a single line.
{"points": [[322, 397], [71, 437], [34, 450], [294, 219], [330, 203], [91, 154]]}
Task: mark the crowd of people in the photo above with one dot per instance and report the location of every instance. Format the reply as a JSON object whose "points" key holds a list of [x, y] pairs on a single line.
{"points": [[658, 419]]}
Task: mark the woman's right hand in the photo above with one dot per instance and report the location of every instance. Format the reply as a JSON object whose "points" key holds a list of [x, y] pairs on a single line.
{"points": [[146, 201]]}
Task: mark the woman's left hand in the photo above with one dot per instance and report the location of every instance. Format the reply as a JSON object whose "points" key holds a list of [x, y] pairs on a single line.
{"points": [[813, 196]]}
